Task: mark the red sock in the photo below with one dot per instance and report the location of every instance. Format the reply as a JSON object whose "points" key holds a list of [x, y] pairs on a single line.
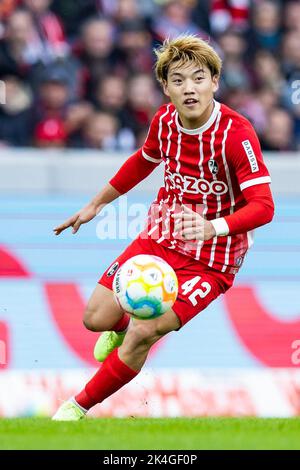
{"points": [[122, 324], [110, 377]]}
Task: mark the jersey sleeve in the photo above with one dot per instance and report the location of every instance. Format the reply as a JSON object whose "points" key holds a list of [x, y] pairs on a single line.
{"points": [[246, 158], [151, 149], [132, 172], [258, 211]]}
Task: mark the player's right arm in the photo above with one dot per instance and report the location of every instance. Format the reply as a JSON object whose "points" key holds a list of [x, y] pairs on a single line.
{"points": [[132, 172], [87, 213]]}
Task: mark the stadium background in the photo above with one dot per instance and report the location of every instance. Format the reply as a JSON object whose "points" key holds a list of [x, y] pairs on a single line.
{"points": [[242, 355]]}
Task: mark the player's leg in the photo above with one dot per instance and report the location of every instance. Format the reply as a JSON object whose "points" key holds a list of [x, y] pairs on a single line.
{"points": [[121, 366], [102, 311], [97, 316], [142, 335], [104, 314], [126, 362], [198, 287]]}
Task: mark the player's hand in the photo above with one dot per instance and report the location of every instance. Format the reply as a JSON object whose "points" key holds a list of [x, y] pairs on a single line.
{"points": [[82, 217], [192, 226]]}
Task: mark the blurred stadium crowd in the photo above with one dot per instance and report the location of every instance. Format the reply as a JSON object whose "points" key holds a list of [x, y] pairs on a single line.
{"points": [[80, 73]]}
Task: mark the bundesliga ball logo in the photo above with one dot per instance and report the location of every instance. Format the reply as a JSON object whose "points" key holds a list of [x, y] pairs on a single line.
{"points": [[145, 286]]}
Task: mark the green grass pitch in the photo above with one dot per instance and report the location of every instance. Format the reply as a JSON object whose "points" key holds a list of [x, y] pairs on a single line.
{"points": [[151, 433]]}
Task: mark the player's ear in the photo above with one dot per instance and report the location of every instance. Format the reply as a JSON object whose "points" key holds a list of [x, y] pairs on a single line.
{"points": [[215, 80], [165, 88]]}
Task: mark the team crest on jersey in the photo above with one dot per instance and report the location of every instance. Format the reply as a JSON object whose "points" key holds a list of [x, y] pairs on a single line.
{"points": [[213, 167], [112, 269]]}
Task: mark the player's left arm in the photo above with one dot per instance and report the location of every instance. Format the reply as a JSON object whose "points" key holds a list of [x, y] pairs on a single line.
{"points": [[246, 161], [258, 211]]}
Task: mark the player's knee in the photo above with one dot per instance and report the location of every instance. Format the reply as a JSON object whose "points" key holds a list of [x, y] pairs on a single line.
{"points": [[93, 320], [142, 334], [167, 323], [89, 321]]}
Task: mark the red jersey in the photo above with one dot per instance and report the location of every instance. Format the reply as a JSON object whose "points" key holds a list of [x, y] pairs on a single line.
{"points": [[206, 167]]}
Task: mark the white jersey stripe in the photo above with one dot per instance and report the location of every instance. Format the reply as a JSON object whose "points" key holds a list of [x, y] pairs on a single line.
{"points": [[158, 220], [169, 147], [177, 158], [232, 200], [170, 132], [152, 230], [212, 149], [168, 217], [167, 223], [151, 159], [227, 251], [199, 246], [250, 238], [168, 214], [212, 157], [200, 242], [213, 134], [160, 130], [226, 166]]}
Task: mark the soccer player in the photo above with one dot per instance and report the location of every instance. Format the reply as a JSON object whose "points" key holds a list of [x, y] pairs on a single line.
{"points": [[216, 192]]}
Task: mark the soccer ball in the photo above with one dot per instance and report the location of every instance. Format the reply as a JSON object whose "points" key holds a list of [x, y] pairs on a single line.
{"points": [[145, 286]]}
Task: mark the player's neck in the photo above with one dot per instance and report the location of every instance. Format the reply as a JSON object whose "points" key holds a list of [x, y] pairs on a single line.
{"points": [[199, 121]]}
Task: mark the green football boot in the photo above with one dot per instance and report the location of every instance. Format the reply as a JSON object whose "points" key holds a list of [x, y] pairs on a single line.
{"points": [[106, 343], [68, 411]]}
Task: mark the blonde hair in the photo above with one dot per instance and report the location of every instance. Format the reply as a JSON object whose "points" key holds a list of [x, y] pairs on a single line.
{"points": [[185, 49]]}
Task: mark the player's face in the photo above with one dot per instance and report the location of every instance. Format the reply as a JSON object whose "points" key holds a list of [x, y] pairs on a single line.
{"points": [[191, 89]]}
